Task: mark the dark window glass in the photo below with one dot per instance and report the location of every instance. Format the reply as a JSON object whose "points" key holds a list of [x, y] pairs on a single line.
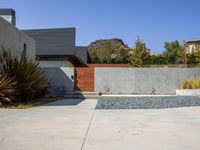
{"points": [[25, 49]]}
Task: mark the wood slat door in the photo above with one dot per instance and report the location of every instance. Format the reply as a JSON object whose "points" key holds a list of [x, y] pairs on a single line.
{"points": [[84, 79]]}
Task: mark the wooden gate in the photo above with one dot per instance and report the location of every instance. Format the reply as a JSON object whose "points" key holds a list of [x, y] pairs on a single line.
{"points": [[84, 78]]}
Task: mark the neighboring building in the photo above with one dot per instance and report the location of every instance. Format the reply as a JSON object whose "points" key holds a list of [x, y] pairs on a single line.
{"points": [[12, 38], [52, 47], [192, 45]]}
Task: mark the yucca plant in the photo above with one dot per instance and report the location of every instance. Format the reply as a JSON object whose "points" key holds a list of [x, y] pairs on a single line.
{"points": [[29, 78]]}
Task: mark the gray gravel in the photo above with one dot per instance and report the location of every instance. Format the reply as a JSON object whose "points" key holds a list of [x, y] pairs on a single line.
{"points": [[147, 102]]}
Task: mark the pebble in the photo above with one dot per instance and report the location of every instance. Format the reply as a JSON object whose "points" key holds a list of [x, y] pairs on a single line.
{"points": [[154, 102]]}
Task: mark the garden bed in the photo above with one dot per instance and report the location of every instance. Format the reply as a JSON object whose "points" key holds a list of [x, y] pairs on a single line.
{"points": [[32, 103], [154, 102]]}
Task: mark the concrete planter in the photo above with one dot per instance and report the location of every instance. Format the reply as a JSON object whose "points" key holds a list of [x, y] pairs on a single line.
{"points": [[188, 92]]}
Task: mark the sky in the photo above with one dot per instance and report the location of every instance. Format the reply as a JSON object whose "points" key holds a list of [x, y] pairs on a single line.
{"points": [[154, 21]]}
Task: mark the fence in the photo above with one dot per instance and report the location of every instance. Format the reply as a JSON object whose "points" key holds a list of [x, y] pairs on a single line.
{"points": [[142, 80]]}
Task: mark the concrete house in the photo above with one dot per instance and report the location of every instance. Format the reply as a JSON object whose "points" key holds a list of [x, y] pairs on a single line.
{"points": [[57, 48], [12, 38], [52, 47]]}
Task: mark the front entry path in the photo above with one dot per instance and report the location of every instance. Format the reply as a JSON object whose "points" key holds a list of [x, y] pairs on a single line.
{"points": [[75, 125]]}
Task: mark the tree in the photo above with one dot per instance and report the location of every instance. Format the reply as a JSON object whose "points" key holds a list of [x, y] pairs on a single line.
{"points": [[123, 54], [93, 55], [157, 59], [108, 51], [182, 55], [107, 54], [171, 52], [197, 55], [140, 54]]}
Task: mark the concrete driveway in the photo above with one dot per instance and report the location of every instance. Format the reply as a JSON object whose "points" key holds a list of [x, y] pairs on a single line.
{"points": [[75, 125]]}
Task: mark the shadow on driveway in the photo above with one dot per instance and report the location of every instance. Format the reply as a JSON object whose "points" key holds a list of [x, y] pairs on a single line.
{"points": [[65, 102]]}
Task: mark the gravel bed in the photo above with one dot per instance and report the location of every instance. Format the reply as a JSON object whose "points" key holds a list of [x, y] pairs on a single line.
{"points": [[154, 102]]}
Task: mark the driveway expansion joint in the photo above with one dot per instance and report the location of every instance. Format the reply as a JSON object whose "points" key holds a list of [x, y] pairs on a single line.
{"points": [[87, 130]]}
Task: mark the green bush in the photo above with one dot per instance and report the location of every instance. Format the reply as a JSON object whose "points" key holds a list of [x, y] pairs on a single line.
{"points": [[191, 84], [25, 76]]}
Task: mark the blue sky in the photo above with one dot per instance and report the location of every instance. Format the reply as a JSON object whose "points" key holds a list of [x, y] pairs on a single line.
{"points": [[155, 21]]}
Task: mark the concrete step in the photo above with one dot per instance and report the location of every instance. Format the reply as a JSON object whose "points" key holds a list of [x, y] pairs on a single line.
{"points": [[86, 95], [72, 96]]}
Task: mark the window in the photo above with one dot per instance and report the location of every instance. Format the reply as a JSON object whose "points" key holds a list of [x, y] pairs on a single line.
{"points": [[24, 49]]}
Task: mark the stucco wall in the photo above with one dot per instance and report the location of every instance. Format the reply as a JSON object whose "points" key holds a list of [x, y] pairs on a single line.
{"points": [[61, 80], [142, 80], [14, 39]]}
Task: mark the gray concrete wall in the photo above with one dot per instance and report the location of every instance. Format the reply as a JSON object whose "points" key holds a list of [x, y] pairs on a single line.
{"points": [[55, 63], [61, 80], [81, 53], [14, 39], [53, 41], [8, 15], [142, 80]]}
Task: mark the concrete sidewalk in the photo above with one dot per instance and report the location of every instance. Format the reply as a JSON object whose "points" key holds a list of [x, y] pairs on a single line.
{"points": [[75, 125]]}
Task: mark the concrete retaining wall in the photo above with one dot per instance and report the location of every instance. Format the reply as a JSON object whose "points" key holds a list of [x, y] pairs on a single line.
{"points": [[188, 92], [61, 79], [142, 80]]}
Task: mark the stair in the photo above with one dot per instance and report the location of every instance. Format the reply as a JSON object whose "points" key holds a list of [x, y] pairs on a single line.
{"points": [[85, 95]]}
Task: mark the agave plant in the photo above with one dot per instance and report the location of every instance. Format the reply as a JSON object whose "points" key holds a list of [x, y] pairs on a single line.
{"points": [[26, 73], [7, 91]]}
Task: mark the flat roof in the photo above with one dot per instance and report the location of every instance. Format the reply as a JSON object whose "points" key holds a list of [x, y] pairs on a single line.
{"points": [[192, 41], [7, 11]]}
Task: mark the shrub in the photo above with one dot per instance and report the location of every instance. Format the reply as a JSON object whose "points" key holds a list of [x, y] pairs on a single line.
{"points": [[191, 84], [26, 73], [8, 90]]}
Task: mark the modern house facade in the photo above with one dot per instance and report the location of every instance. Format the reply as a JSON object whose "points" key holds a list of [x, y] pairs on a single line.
{"points": [[52, 47], [67, 65], [12, 38], [57, 48]]}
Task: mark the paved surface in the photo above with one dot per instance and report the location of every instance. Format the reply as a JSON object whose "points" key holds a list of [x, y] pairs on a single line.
{"points": [[75, 125], [59, 126]]}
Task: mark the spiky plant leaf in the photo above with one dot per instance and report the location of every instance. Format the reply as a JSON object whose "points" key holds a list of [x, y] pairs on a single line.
{"points": [[26, 73]]}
